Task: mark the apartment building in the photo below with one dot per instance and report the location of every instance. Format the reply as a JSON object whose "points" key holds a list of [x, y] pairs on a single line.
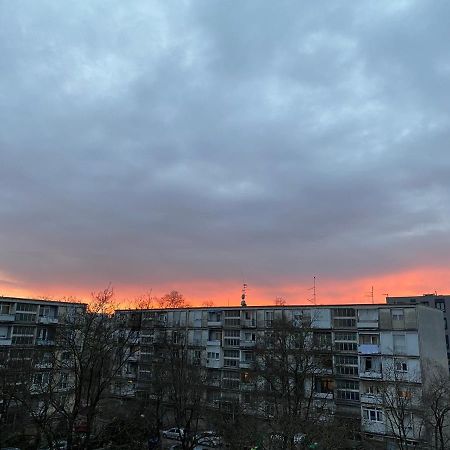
{"points": [[366, 353], [441, 302], [28, 330]]}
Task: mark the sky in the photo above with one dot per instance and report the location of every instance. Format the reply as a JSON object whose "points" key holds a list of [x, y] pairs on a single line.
{"points": [[197, 145]]}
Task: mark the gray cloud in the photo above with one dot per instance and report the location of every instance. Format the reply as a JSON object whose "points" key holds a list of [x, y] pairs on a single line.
{"points": [[159, 141]]}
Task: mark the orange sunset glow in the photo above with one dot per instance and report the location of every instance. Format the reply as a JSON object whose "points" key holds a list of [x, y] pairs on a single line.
{"points": [[410, 282]]}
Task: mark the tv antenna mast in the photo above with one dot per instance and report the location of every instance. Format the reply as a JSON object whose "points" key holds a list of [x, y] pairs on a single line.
{"points": [[370, 294], [313, 300], [244, 293]]}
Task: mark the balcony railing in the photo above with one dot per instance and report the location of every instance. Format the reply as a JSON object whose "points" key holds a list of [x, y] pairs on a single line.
{"points": [[369, 349], [7, 317], [370, 374], [248, 344], [248, 323], [5, 341], [47, 320], [45, 342], [246, 364]]}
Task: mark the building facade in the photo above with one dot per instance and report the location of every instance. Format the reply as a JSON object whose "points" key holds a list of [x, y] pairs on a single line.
{"points": [[441, 302], [368, 354], [28, 330]]}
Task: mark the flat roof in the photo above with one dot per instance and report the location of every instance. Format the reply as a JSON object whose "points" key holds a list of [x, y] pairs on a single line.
{"points": [[346, 305], [35, 300]]}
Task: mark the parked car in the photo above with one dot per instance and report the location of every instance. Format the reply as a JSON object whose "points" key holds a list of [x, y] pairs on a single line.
{"points": [[208, 438], [173, 433]]}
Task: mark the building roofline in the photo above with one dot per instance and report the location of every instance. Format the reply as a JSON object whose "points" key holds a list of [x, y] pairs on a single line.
{"points": [[285, 307], [38, 300]]}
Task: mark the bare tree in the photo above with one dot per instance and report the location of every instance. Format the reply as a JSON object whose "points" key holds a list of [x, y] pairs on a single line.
{"points": [[176, 384], [91, 349], [435, 404], [400, 397], [173, 299], [146, 301], [287, 360]]}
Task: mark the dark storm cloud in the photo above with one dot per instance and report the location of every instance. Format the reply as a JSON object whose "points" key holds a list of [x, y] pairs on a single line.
{"points": [[147, 142]]}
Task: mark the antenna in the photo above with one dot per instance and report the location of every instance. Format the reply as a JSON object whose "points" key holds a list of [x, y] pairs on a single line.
{"points": [[313, 300], [370, 294], [244, 293]]}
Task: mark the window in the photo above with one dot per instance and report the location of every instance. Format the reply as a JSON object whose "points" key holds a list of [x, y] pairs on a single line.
{"points": [[269, 318], [197, 337], [250, 337], [440, 305], [214, 316], [399, 341], [213, 355], [346, 365], [401, 366], [322, 340], [215, 335], [344, 318], [372, 389], [231, 338], [26, 307], [233, 318], [373, 414], [324, 385], [5, 308], [347, 390], [3, 332], [345, 342], [398, 314], [369, 339]]}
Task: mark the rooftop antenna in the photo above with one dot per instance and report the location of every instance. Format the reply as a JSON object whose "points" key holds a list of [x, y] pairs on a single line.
{"points": [[244, 293], [370, 294], [313, 300]]}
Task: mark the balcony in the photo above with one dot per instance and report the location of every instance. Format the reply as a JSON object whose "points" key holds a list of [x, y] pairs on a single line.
{"points": [[248, 344], [372, 374], [5, 341], [373, 427], [215, 342], [246, 364], [248, 323], [324, 395], [47, 320], [45, 342], [367, 324], [7, 317], [369, 349], [371, 398], [213, 363], [214, 323]]}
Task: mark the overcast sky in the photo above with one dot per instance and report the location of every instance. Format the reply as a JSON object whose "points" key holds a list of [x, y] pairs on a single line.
{"points": [[186, 144]]}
